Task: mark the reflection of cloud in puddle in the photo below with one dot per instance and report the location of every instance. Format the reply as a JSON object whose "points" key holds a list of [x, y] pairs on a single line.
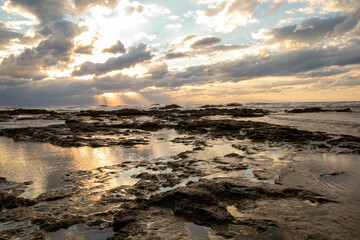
{"points": [[82, 232], [125, 178], [182, 184]]}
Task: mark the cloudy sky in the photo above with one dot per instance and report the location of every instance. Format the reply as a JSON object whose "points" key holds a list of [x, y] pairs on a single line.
{"points": [[117, 52]]}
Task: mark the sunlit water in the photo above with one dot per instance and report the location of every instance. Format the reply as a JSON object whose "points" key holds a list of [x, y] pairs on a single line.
{"points": [[44, 164], [328, 122]]}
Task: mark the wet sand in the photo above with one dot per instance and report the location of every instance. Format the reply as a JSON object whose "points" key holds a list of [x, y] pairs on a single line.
{"points": [[170, 173]]}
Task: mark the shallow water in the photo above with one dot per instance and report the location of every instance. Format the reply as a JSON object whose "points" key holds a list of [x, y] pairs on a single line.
{"points": [[81, 232], [29, 123], [44, 164], [329, 122]]}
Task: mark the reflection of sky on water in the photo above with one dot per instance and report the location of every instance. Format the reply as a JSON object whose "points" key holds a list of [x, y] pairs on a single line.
{"points": [[82, 232], [45, 164], [29, 123]]}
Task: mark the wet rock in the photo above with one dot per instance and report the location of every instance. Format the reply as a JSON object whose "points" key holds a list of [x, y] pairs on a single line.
{"points": [[171, 106], [234, 155], [211, 106], [332, 174], [205, 203], [305, 110], [55, 223], [233, 105], [316, 109], [344, 110], [9, 201]]}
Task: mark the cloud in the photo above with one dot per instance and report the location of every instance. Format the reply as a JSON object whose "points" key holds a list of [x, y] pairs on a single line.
{"points": [[136, 7], [118, 47], [276, 5], [298, 62], [226, 16], [84, 5], [44, 10], [173, 26], [158, 71], [311, 30], [175, 55], [84, 49], [53, 10], [7, 35], [205, 42], [32, 62], [289, 63], [134, 56]]}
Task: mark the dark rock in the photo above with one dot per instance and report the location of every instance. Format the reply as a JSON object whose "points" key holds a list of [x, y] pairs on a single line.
{"points": [[10, 201], [344, 110], [306, 110], [332, 174], [233, 105], [171, 106]]}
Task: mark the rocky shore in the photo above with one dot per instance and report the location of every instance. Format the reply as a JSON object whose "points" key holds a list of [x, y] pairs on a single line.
{"points": [[238, 194]]}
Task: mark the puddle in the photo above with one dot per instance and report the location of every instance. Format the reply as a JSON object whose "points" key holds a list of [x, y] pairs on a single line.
{"points": [[81, 232], [45, 166], [13, 225], [197, 232], [29, 123], [246, 174], [182, 184], [125, 178], [168, 170]]}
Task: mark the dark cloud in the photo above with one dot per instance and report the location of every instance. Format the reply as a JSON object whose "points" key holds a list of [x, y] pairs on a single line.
{"points": [[228, 47], [54, 10], [158, 72], [84, 49], [44, 10], [299, 62], [204, 51], [118, 47], [205, 42], [349, 23], [309, 31], [324, 73], [175, 55], [288, 63], [134, 56], [57, 48], [6, 35]]}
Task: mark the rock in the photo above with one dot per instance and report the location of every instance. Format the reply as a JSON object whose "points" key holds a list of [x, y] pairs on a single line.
{"points": [[306, 110], [171, 106], [9, 201]]}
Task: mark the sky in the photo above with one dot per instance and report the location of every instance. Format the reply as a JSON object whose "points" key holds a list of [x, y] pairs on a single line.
{"points": [[123, 52]]}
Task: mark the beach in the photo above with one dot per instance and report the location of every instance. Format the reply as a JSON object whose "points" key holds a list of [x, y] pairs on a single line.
{"points": [[232, 171]]}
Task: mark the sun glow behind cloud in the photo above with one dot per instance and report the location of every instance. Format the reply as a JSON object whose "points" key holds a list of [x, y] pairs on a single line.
{"points": [[121, 98]]}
